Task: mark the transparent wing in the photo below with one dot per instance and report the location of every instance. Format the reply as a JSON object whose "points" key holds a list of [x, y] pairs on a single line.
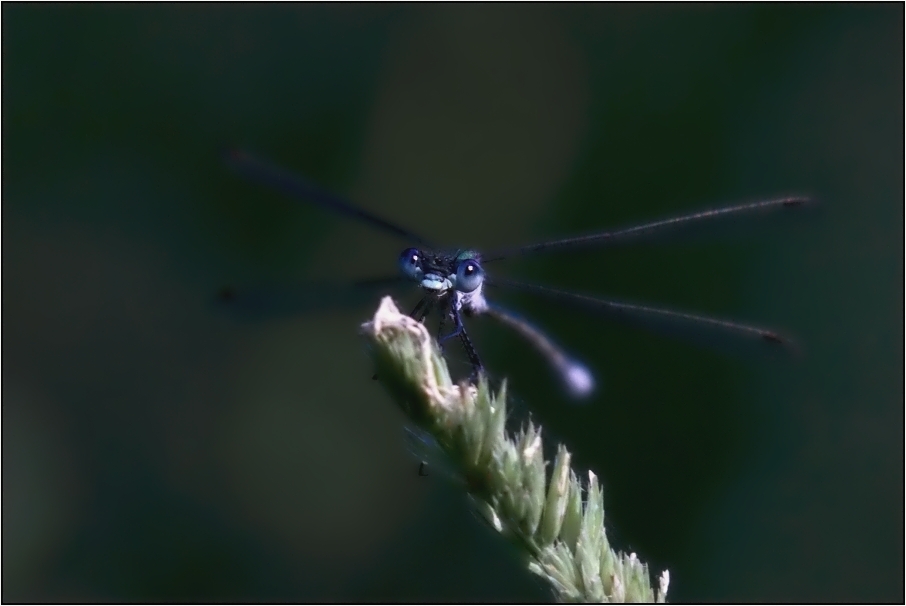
{"points": [[654, 228], [267, 301], [295, 186], [711, 331]]}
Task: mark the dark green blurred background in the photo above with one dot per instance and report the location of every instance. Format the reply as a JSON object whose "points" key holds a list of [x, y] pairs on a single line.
{"points": [[154, 448]]}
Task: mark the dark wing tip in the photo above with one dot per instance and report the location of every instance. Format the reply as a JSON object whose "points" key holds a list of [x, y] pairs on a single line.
{"points": [[787, 345], [796, 201]]}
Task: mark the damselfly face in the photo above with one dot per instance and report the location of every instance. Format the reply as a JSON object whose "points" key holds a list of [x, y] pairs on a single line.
{"points": [[439, 273], [453, 284]]}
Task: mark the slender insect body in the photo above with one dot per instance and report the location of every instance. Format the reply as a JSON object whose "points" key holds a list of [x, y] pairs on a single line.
{"points": [[453, 283]]}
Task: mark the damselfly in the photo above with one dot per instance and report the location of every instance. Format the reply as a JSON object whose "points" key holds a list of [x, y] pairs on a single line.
{"points": [[452, 282]]}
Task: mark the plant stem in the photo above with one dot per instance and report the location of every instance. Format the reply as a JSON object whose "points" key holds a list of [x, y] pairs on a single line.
{"points": [[557, 522]]}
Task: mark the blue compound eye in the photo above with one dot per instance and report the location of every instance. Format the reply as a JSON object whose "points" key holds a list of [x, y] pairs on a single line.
{"points": [[469, 275], [411, 263]]}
